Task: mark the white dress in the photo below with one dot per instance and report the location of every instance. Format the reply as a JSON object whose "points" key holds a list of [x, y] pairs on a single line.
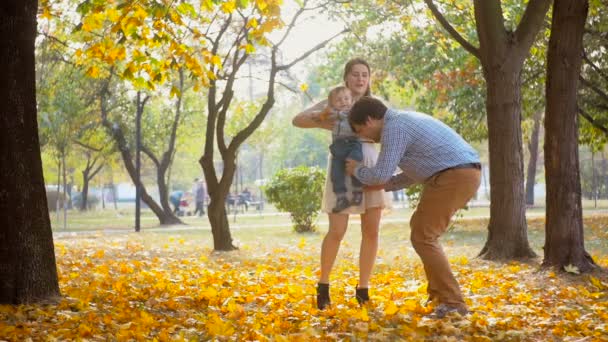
{"points": [[371, 199]]}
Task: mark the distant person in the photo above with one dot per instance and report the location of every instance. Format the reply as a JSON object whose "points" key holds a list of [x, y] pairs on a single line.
{"points": [[175, 198], [200, 194]]}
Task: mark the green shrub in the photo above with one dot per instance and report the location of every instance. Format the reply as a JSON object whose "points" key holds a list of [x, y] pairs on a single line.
{"points": [[298, 191]]}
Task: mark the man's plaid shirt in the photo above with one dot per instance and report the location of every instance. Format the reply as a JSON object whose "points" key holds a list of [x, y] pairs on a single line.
{"points": [[419, 145]]}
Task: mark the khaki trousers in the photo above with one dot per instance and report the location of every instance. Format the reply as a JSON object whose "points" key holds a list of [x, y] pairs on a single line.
{"points": [[443, 194]]}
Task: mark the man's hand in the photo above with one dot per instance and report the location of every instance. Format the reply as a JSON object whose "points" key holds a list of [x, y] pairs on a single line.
{"points": [[350, 166]]}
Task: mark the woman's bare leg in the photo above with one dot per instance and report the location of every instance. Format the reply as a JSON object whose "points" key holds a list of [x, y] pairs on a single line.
{"points": [[331, 244], [370, 224]]}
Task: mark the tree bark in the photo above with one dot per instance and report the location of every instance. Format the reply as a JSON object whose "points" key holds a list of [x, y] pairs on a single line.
{"points": [[532, 162], [502, 53], [27, 257], [507, 230], [564, 242], [218, 191]]}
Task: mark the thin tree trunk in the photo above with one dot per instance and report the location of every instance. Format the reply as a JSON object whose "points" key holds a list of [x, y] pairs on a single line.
{"points": [[57, 203], [65, 194], [593, 179], [564, 242], [27, 256], [218, 217], [604, 178], [161, 214], [507, 230], [532, 162]]}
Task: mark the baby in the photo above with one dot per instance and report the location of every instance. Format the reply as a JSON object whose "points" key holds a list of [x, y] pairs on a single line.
{"points": [[345, 144]]}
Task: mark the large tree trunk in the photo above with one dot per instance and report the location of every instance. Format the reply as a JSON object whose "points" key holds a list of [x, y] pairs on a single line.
{"points": [[27, 256], [533, 149], [507, 230], [564, 244], [502, 53]]}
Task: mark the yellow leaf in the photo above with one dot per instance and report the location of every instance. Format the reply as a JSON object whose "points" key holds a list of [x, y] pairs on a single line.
{"points": [[216, 60], [596, 282], [228, 7], [391, 309], [253, 23]]}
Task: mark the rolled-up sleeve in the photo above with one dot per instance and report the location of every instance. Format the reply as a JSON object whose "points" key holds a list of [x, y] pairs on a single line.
{"points": [[393, 146], [399, 181]]}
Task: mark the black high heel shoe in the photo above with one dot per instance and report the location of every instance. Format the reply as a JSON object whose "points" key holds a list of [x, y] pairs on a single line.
{"points": [[323, 296], [362, 295]]}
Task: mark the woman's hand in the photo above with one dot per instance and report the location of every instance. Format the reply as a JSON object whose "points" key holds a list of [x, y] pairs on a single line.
{"points": [[313, 117]]}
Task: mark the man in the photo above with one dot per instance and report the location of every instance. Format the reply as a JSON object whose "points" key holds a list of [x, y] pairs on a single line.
{"points": [[200, 193], [428, 152]]}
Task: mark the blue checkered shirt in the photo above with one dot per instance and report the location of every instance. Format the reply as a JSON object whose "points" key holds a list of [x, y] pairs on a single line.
{"points": [[419, 145]]}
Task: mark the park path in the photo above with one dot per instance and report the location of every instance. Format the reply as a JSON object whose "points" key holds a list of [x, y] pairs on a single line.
{"points": [[237, 226]]}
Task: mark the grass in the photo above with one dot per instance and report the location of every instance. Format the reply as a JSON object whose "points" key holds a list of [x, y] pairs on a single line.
{"points": [[255, 229]]}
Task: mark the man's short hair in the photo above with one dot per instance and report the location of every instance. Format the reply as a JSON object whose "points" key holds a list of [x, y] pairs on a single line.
{"points": [[366, 107]]}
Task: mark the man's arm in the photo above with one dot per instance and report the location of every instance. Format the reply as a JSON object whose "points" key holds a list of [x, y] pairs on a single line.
{"points": [[394, 144], [398, 181]]}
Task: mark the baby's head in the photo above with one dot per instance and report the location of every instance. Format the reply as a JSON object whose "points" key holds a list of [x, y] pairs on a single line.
{"points": [[340, 98]]}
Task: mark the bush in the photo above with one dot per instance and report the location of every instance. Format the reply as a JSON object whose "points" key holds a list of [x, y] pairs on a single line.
{"points": [[298, 191]]}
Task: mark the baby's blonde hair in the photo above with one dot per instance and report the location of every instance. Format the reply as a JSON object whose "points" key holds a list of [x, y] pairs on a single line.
{"points": [[334, 92]]}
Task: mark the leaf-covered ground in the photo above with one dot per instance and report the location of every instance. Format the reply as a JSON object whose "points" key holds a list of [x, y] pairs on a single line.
{"points": [[169, 287]]}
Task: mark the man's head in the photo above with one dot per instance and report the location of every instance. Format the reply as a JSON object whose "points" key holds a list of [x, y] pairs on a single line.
{"points": [[366, 118], [340, 98]]}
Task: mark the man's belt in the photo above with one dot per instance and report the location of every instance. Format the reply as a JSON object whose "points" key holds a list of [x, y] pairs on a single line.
{"points": [[464, 166]]}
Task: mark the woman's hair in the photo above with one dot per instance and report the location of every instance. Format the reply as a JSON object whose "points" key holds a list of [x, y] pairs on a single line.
{"points": [[366, 107], [349, 66]]}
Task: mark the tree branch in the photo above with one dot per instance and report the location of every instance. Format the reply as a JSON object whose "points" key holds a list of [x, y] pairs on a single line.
{"points": [[593, 87], [592, 121], [530, 23], [310, 51], [446, 25]]}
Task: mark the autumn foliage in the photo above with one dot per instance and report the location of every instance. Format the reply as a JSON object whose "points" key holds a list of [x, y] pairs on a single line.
{"points": [[165, 287]]}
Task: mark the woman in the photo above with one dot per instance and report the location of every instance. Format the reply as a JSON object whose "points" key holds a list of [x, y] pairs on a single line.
{"points": [[357, 79]]}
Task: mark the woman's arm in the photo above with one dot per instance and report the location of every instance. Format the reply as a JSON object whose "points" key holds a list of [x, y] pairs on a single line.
{"points": [[314, 117]]}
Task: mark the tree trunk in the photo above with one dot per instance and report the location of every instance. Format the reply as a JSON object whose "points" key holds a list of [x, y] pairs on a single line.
{"points": [[564, 243], [220, 228], [87, 175], [218, 191], [507, 230], [593, 178], [533, 149], [163, 216], [604, 178], [85, 190], [27, 256]]}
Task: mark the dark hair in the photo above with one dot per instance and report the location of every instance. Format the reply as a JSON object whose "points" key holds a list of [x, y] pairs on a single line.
{"points": [[349, 66], [366, 107]]}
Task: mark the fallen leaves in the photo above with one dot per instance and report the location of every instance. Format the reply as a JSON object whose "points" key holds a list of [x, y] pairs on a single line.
{"points": [[129, 288]]}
